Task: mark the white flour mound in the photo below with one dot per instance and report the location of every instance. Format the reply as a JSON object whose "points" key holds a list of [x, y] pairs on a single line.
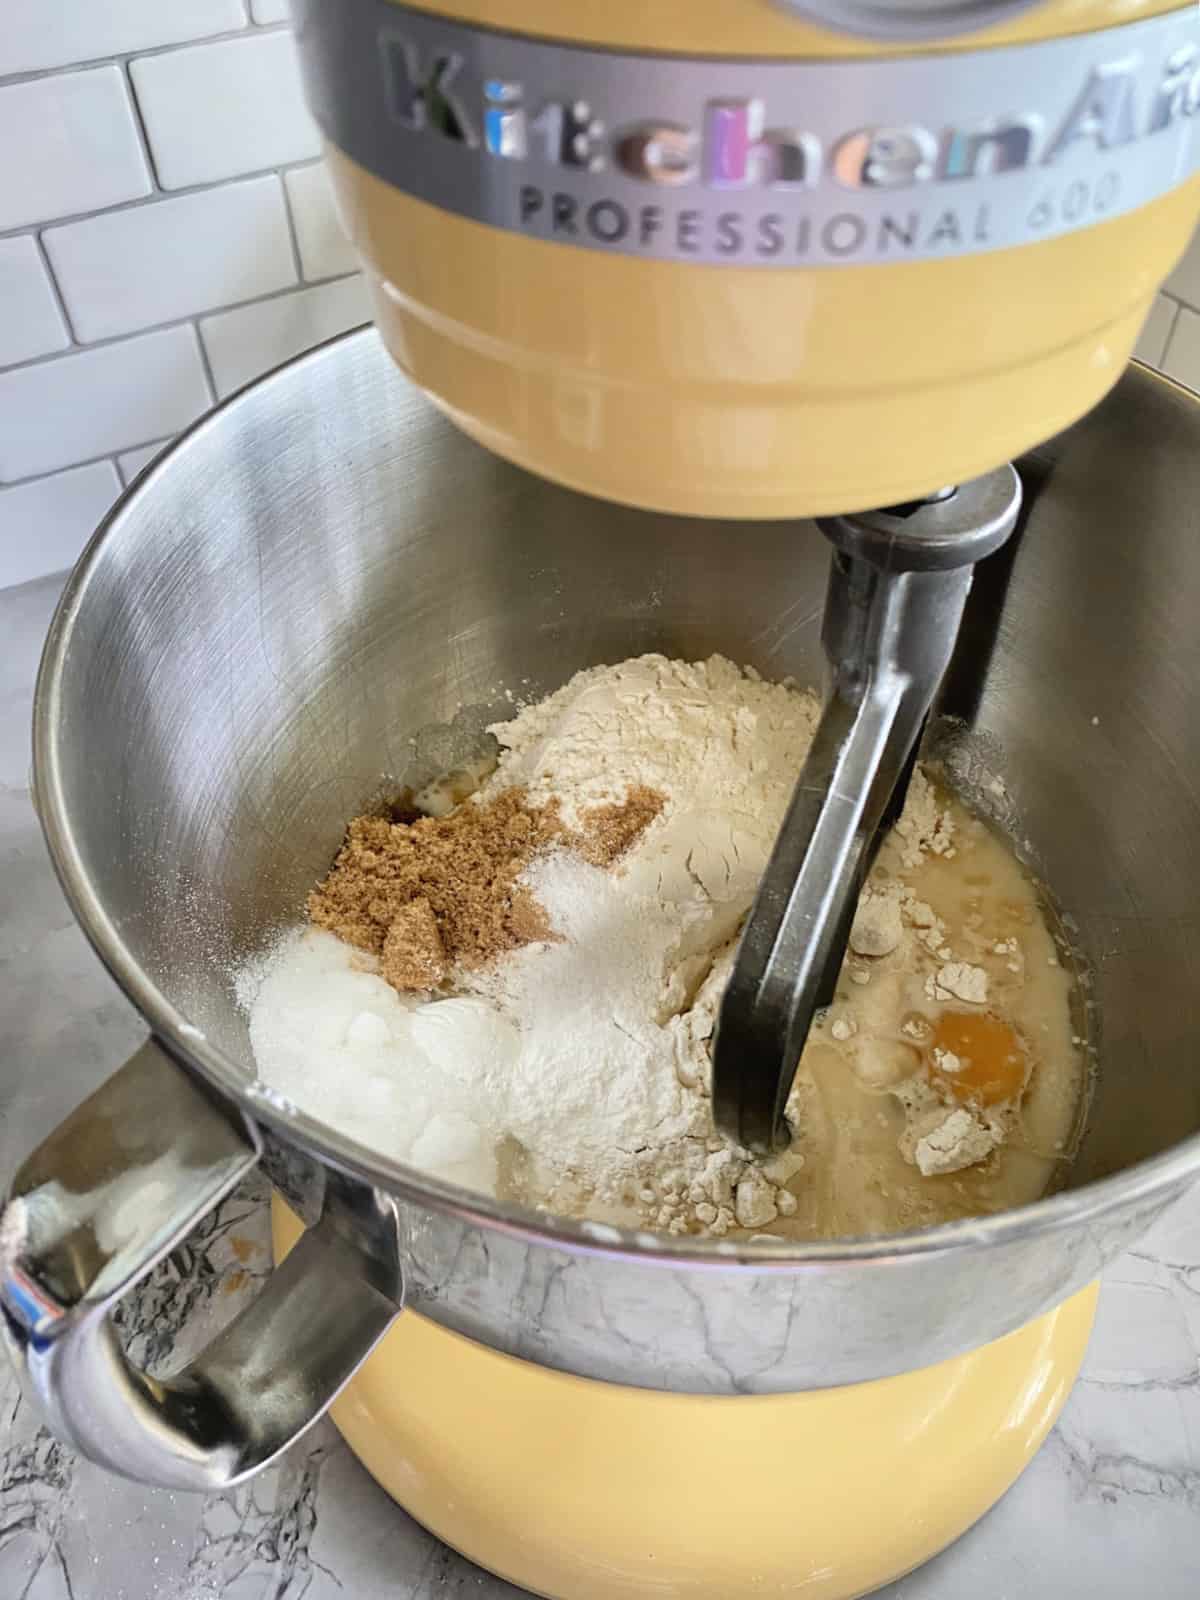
{"points": [[590, 1049]]}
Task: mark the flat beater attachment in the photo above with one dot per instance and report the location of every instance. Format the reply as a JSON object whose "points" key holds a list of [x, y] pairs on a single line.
{"points": [[898, 583]]}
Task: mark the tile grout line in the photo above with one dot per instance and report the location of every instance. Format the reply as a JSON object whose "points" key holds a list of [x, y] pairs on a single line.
{"points": [[174, 322], [297, 260], [75, 466], [39, 245], [157, 197], [205, 361], [143, 138], [120, 58]]}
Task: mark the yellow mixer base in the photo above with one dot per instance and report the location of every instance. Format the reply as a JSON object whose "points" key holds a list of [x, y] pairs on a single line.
{"points": [[580, 1490]]}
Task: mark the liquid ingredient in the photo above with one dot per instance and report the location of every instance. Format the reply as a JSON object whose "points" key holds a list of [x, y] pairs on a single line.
{"points": [[567, 1064]]}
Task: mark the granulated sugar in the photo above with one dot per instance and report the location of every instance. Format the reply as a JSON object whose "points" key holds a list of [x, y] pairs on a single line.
{"points": [[406, 1078]]}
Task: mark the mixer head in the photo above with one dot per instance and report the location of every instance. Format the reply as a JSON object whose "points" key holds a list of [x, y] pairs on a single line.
{"points": [[760, 258]]}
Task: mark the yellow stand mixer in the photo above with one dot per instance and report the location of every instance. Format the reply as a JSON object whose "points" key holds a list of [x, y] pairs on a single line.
{"points": [[738, 259]]}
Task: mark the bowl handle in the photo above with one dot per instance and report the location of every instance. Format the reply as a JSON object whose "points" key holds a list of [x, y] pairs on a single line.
{"points": [[114, 1188]]}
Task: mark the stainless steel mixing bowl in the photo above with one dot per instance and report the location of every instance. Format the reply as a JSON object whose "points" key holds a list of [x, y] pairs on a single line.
{"points": [[323, 569]]}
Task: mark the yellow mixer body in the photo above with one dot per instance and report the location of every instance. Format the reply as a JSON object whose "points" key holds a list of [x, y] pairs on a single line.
{"points": [[581, 1490], [865, 342]]}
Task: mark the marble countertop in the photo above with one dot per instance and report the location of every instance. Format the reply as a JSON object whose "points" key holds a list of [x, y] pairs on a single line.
{"points": [[1109, 1508]]}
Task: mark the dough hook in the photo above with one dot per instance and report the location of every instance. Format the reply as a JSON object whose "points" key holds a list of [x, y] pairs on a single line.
{"points": [[898, 583]]}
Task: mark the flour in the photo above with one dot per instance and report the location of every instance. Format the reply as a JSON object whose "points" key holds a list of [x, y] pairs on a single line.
{"points": [[924, 825], [573, 1071], [877, 928], [703, 730], [593, 1081], [958, 980], [956, 1139], [609, 1092]]}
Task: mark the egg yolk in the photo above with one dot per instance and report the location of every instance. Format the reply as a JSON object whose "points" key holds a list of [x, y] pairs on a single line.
{"points": [[991, 1062]]}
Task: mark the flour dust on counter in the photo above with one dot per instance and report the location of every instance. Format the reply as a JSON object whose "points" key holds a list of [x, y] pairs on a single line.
{"points": [[513, 983]]}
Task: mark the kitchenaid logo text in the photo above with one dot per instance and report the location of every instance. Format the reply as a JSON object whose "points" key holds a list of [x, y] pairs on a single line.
{"points": [[731, 147], [759, 162]]}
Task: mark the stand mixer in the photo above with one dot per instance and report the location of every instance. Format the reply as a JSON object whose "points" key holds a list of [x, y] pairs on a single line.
{"points": [[722, 265]]}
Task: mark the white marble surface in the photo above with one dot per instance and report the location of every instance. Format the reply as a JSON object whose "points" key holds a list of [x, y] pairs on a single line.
{"points": [[1110, 1508]]}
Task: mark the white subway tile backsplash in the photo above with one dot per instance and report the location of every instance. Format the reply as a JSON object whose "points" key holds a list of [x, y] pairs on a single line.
{"points": [[197, 99], [253, 339], [45, 525], [219, 110], [69, 145], [55, 33], [30, 321], [325, 252], [148, 264], [92, 403], [1152, 341], [131, 462], [1182, 359]]}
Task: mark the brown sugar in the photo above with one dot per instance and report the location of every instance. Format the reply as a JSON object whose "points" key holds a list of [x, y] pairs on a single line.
{"points": [[413, 954], [610, 830], [429, 894]]}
